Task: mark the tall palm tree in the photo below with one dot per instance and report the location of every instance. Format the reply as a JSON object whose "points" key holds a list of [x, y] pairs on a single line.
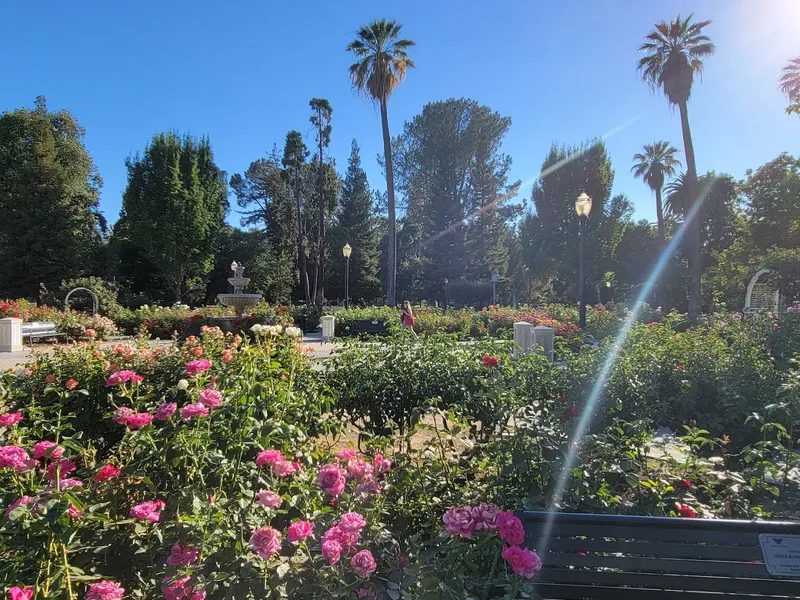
{"points": [[790, 85], [673, 55], [381, 64], [656, 163]]}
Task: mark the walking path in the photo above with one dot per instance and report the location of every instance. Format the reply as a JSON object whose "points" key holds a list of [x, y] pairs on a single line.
{"points": [[13, 360]]}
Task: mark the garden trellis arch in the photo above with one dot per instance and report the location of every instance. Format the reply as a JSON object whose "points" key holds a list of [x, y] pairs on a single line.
{"points": [[95, 299]]}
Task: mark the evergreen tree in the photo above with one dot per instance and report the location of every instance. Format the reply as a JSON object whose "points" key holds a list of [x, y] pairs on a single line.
{"points": [[264, 196], [50, 226], [357, 227], [174, 207], [549, 231], [454, 178], [321, 120], [295, 171]]}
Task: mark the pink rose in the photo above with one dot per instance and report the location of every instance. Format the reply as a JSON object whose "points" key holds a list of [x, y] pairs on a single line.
{"points": [[523, 561], [47, 449], [346, 455], [50, 379], [331, 551], [148, 511], [74, 513], [347, 540], [266, 541], [122, 377], [485, 516], [138, 420], [16, 458], [193, 410], [137, 378], [381, 464], [364, 490], [105, 590], [181, 589], [284, 468], [165, 411], [269, 457], [182, 555], [299, 530], [510, 528], [71, 384], [65, 484], [121, 415], [359, 469], [90, 333], [196, 367], [331, 479], [9, 419], [269, 499], [67, 466], [210, 398], [106, 472], [352, 522], [18, 593], [459, 521], [363, 564], [24, 501]]}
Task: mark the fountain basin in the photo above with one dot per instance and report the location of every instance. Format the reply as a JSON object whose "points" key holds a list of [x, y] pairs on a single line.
{"points": [[241, 303]]}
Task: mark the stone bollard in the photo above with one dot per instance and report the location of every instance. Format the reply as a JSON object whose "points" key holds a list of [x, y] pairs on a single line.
{"points": [[523, 337], [544, 337], [10, 335], [328, 327]]}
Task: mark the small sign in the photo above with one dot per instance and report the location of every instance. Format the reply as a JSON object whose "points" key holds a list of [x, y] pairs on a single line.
{"points": [[781, 554], [496, 277]]}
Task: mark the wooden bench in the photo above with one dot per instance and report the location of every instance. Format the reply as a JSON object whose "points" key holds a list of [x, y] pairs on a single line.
{"points": [[41, 330], [373, 327], [614, 557]]}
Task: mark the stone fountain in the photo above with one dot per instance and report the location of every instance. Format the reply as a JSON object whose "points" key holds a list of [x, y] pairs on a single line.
{"points": [[238, 300]]}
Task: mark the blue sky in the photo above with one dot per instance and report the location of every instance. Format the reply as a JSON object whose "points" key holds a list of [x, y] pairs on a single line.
{"points": [[243, 71]]}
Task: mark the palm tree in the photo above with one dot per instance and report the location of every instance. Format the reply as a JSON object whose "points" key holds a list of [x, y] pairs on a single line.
{"points": [[790, 85], [673, 55], [381, 64], [657, 162], [676, 202]]}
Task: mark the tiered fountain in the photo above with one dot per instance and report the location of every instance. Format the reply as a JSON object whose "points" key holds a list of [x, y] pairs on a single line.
{"points": [[238, 300]]}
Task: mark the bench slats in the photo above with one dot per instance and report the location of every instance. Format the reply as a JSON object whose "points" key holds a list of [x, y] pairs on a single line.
{"points": [[655, 549], [670, 566], [661, 581], [651, 534], [582, 592], [623, 557]]}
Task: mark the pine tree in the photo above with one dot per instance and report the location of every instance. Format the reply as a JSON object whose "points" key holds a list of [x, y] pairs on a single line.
{"points": [[357, 227]]}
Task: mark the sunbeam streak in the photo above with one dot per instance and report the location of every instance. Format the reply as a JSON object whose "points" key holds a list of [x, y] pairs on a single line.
{"points": [[616, 349]]}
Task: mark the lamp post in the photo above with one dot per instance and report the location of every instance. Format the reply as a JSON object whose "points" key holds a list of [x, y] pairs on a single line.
{"points": [[346, 253], [446, 281], [583, 206]]}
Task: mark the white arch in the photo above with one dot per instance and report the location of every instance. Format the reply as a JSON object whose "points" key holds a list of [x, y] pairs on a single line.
{"points": [[95, 299], [752, 284]]}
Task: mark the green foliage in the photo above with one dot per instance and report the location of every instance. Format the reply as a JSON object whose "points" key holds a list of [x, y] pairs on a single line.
{"points": [[394, 382], [50, 226], [174, 207]]}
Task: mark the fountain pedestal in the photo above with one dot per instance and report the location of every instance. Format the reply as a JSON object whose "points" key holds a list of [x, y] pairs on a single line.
{"points": [[238, 300]]}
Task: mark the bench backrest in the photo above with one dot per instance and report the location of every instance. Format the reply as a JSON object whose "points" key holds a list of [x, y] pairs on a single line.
{"points": [[38, 328], [368, 326], [619, 557]]}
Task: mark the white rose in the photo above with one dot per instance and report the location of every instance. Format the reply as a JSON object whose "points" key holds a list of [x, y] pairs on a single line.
{"points": [[183, 384]]}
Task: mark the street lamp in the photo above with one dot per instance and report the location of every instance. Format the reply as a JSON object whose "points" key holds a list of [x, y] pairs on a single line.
{"points": [[346, 253], [583, 206], [446, 281]]}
